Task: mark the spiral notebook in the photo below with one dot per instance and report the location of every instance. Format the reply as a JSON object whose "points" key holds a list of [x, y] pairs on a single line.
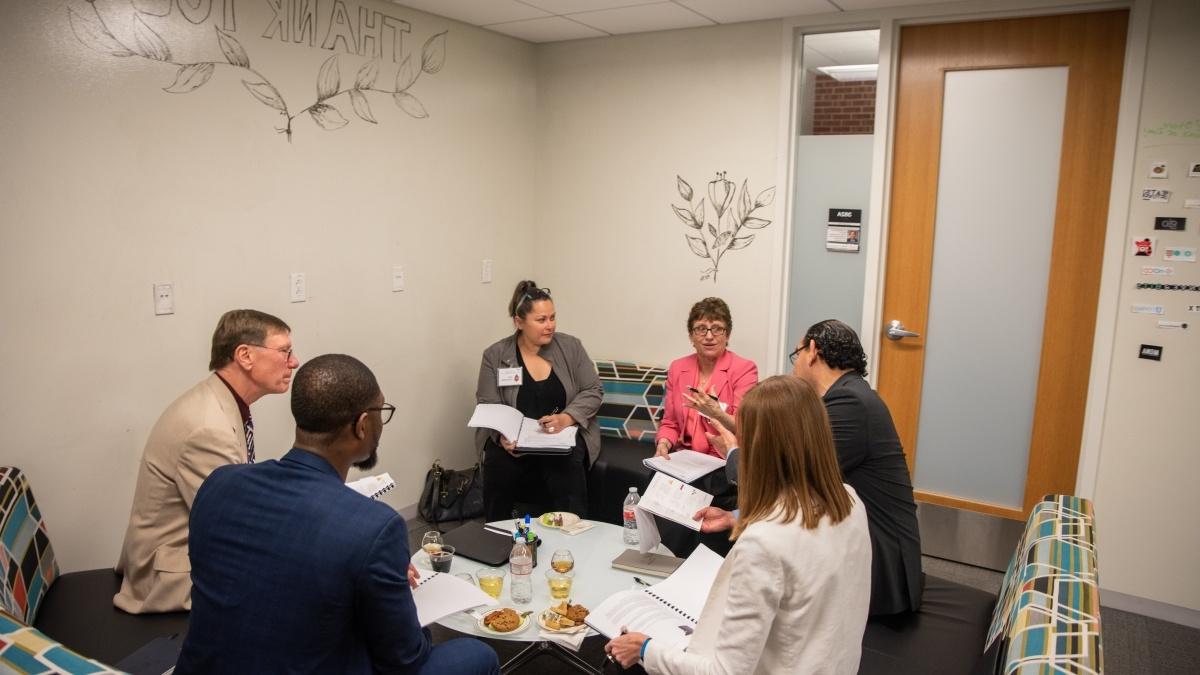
{"points": [[667, 611], [372, 486], [438, 595]]}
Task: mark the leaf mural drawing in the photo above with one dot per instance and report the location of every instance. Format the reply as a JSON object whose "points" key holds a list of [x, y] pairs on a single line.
{"points": [[724, 233], [765, 197], [88, 24], [149, 43], [362, 107], [327, 116], [407, 75], [409, 104], [685, 189], [190, 78], [265, 93], [367, 75], [234, 53], [433, 54], [94, 35], [329, 79]]}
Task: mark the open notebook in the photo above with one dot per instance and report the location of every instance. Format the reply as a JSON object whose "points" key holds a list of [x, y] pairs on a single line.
{"points": [[530, 437], [438, 595], [372, 486], [667, 611], [686, 465]]}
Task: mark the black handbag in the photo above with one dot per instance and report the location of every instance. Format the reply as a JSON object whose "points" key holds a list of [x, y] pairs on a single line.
{"points": [[451, 495]]}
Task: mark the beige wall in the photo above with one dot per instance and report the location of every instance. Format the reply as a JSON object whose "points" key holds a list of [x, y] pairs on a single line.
{"points": [[109, 184], [619, 119], [1145, 493]]}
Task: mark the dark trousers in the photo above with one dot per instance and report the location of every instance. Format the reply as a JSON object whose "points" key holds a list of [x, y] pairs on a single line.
{"points": [[550, 482]]}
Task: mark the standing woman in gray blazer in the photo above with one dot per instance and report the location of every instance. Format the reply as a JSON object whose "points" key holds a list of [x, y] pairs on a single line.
{"points": [[549, 377]]}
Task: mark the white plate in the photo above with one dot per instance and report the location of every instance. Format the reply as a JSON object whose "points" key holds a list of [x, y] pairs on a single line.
{"points": [[542, 622], [522, 626], [568, 519]]}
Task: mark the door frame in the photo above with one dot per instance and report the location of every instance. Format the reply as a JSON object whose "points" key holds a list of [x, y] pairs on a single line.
{"points": [[889, 22]]}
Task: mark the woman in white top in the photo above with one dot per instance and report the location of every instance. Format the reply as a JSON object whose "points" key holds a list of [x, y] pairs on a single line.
{"points": [[793, 593]]}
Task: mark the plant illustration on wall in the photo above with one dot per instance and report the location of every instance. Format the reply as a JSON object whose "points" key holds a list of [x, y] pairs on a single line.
{"points": [[725, 232], [91, 29]]}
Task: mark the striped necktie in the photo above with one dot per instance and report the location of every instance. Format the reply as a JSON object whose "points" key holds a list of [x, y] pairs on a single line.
{"points": [[249, 440]]}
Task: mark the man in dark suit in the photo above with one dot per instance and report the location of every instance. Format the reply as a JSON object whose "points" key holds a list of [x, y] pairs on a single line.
{"points": [[831, 359], [294, 572]]}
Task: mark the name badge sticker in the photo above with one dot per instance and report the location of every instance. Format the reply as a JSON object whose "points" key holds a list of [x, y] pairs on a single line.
{"points": [[508, 377]]}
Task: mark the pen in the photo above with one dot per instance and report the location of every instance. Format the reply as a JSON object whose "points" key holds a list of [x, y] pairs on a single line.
{"points": [[639, 580]]}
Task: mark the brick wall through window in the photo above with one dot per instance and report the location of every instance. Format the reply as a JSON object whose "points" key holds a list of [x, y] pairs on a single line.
{"points": [[843, 107]]}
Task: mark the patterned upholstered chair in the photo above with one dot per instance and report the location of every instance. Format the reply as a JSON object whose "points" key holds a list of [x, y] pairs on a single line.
{"points": [[629, 416], [1045, 620], [1048, 616], [24, 649], [75, 608]]}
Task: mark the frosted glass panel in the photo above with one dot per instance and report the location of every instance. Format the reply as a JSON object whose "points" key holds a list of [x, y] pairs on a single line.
{"points": [[997, 188]]}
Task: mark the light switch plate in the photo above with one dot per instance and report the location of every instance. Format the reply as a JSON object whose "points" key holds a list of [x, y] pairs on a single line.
{"points": [[397, 279], [164, 299], [485, 272], [299, 287]]}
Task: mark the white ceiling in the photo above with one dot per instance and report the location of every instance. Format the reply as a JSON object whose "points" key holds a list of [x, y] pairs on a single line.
{"points": [[556, 20]]}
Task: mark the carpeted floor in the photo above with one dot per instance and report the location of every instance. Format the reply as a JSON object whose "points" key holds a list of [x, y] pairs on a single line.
{"points": [[1133, 644]]}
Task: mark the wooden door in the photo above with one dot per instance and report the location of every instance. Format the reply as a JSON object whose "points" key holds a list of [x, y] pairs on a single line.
{"points": [[1091, 47]]}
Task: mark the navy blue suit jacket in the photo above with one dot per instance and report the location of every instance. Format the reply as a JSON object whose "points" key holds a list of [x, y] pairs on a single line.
{"points": [[293, 572]]}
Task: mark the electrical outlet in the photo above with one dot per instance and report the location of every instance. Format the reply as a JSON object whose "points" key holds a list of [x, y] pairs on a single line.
{"points": [[485, 273], [397, 279], [299, 287], [164, 299]]}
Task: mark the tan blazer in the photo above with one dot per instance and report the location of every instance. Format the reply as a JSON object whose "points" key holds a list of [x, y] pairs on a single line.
{"points": [[199, 432]]}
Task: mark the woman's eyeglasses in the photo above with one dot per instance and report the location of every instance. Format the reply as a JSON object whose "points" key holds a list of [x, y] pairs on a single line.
{"points": [[717, 331]]}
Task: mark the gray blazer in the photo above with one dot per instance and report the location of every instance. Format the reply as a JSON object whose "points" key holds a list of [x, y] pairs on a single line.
{"points": [[573, 366]]}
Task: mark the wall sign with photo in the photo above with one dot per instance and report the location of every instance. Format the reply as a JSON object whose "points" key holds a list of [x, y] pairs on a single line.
{"points": [[844, 230]]}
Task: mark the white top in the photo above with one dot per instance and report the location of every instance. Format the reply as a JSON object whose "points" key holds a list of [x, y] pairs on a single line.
{"points": [[787, 600]]}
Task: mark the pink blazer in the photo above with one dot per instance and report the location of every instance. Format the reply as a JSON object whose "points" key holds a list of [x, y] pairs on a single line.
{"points": [[732, 377]]}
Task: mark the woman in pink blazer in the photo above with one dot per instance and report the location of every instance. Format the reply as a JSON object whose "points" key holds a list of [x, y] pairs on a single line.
{"points": [[723, 376]]}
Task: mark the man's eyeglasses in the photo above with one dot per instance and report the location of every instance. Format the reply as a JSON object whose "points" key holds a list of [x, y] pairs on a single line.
{"points": [[717, 331], [796, 352], [385, 412], [286, 351]]}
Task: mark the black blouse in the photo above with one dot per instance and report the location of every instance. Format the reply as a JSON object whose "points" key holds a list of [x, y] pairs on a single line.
{"points": [[538, 399]]}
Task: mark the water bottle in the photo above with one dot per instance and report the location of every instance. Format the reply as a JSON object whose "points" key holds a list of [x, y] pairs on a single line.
{"points": [[631, 532], [520, 569]]}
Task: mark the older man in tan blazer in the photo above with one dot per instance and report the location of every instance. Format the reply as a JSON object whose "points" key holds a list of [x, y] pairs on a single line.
{"points": [[207, 427]]}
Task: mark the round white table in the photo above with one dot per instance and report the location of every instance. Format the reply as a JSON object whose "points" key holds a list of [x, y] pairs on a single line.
{"points": [[595, 580]]}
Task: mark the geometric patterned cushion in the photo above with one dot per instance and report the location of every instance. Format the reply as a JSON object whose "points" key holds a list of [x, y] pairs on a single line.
{"points": [[633, 399], [26, 558], [1048, 612], [1055, 628], [27, 650]]}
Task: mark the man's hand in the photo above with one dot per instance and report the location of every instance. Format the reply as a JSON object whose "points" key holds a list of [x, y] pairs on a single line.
{"points": [[723, 440], [663, 449], [413, 576], [713, 519]]}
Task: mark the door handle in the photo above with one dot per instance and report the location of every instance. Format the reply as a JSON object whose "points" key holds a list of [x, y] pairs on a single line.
{"points": [[895, 331]]}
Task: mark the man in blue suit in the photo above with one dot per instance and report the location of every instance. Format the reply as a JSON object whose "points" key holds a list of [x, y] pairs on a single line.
{"points": [[294, 572]]}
